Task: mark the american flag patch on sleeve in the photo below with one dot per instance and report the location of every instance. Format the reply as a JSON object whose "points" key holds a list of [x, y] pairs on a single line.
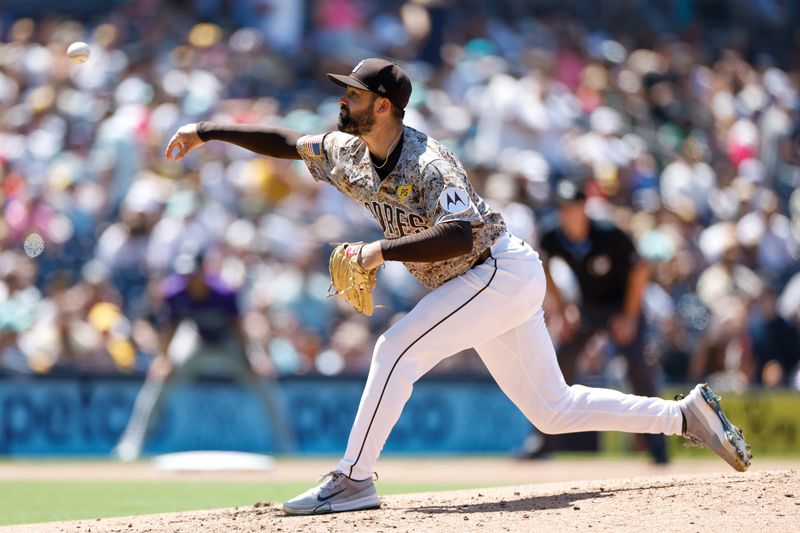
{"points": [[311, 146]]}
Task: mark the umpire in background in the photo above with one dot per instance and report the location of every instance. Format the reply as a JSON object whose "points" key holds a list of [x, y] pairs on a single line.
{"points": [[612, 279]]}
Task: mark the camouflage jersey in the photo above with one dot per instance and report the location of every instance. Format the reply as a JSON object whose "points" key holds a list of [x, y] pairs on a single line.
{"points": [[427, 186]]}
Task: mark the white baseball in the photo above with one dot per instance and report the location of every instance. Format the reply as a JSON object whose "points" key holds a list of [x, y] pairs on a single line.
{"points": [[34, 245], [78, 52]]}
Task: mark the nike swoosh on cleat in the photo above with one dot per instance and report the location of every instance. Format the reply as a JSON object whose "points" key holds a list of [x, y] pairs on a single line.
{"points": [[329, 496]]}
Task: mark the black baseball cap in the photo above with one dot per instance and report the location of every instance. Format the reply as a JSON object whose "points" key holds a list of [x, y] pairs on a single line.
{"points": [[379, 76], [569, 192]]}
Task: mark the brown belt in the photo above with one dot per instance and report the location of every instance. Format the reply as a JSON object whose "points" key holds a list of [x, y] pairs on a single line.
{"points": [[486, 254]]}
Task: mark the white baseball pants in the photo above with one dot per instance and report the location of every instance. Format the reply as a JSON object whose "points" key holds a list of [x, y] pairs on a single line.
{"points": [[496, 308]]}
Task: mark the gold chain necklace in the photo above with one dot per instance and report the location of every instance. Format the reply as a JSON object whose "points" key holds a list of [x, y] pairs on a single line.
{"points": [[389, 153]]}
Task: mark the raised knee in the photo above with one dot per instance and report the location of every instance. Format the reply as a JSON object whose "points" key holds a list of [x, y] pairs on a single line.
{"points": [[385, 351], [546, 423], [394, 356]]}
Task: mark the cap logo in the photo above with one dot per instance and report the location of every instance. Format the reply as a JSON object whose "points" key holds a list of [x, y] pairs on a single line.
{"points": [[360, 64], [381, 89]]}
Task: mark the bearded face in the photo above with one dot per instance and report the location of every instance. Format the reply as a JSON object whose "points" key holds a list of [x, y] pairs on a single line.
{"points": [[356, 122]]}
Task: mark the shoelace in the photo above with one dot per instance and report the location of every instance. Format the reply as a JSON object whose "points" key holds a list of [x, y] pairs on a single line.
{"points": [[335, 476], [692, 440]]}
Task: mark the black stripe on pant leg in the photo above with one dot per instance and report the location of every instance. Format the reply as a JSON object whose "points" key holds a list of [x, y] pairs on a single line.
{"points": [[364, 442]]}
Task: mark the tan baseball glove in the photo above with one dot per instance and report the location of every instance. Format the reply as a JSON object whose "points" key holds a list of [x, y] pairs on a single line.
{"points": [[351, 280]]}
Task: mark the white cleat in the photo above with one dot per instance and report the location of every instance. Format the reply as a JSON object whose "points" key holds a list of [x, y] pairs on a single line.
{"points": [[335, 493], [707, 425]]}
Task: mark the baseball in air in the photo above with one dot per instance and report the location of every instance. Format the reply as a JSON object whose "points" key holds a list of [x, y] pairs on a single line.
{"points": [[78, 52], [34, 245]]}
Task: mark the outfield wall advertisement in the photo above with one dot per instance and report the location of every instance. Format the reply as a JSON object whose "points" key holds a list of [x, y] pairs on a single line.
{"points": [[85, 416]]}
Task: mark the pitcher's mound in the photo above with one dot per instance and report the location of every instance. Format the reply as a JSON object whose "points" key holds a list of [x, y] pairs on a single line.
{"points": [[755, 501]]}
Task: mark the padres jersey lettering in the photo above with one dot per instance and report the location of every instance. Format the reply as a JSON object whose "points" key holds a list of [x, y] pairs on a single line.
{"points": [[427, 186], [395, 222]]}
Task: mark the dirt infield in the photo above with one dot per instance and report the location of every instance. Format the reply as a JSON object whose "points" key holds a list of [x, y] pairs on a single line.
{"points": [[756, 500]]}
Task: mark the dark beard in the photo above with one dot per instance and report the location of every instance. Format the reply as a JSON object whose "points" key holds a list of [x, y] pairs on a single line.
{"points": [[355, 123]]}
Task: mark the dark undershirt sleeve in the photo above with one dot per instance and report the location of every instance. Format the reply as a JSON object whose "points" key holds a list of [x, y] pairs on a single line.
{"points": [[264, 140], [440, 242]]}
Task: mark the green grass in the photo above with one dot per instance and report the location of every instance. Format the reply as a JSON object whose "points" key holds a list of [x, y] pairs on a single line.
{"points": [[23, 502]]}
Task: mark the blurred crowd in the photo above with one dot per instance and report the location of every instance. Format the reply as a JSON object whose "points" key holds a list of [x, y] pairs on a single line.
{"points": [[681, 118]]}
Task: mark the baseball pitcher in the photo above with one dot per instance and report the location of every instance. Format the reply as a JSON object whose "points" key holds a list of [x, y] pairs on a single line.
{"points": [[487, 286]]}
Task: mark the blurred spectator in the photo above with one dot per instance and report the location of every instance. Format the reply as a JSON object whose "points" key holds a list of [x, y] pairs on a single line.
{"points": [[94, 332], [20, 305], [722, 357], [687, 182], [775, 342]]}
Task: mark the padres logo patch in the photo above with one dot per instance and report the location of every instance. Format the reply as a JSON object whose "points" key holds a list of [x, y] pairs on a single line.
{"points": [[404, 191], [454, 200]]}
